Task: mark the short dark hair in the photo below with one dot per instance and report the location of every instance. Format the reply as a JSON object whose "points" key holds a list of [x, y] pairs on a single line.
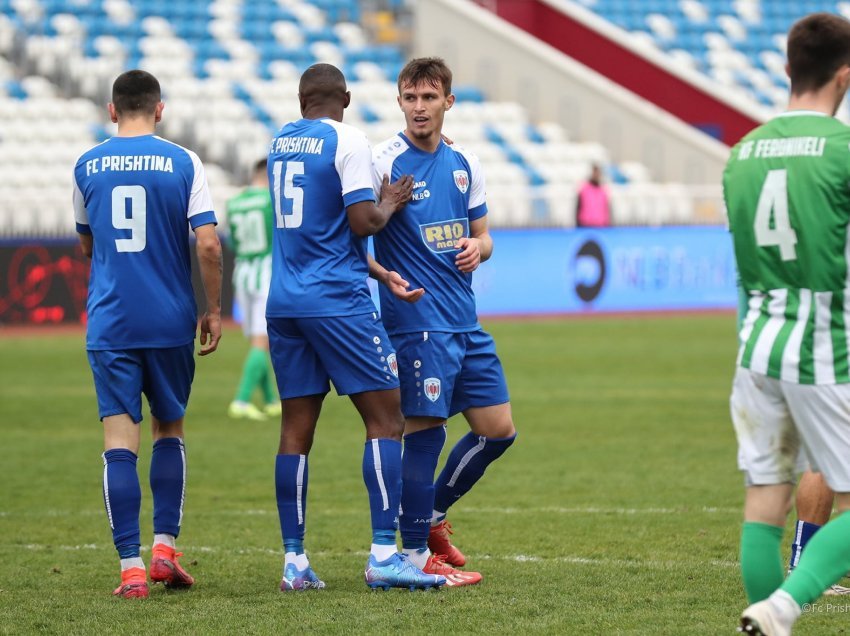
{"points": [[136, 92], [818, 45], [322, 82], [431, 70], [261, 166]]}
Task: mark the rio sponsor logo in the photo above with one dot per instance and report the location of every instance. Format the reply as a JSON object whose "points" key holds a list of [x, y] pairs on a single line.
{"points": [[443, 236], [461, 180], [431, 387]]}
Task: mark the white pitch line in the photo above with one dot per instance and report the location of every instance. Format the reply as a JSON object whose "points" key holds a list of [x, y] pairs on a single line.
{"points": [[556, 510], [514, 558]]}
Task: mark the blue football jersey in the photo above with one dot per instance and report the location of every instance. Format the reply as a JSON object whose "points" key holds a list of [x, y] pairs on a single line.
{"points": [[137, 197], [317, 168], [419, 241]]}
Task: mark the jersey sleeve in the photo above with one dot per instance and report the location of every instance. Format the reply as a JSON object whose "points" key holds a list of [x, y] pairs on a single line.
{"points": [[383, 160], [81, 214], [477, 188], [200, 210], [377, 175], [353, 163]]}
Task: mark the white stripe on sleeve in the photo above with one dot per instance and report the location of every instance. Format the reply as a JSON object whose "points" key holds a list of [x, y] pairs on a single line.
{"points": [[200, 199], [81, 215]]}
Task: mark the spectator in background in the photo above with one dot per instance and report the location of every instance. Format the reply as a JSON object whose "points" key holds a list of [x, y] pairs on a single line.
{"points": [[592, 208]]}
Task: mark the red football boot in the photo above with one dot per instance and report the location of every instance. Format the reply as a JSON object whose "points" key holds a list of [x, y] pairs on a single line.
{"points": [[165, 568], [439, 543], [134, 584]]}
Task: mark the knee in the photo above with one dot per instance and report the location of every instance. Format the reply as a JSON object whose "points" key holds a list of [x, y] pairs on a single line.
{"points": [[497, 428], [389, 427]]}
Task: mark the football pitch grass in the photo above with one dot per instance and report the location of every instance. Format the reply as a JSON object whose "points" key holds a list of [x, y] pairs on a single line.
{"points": [[617, 510]]}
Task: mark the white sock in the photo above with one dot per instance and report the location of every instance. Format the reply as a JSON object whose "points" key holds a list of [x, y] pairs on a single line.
{"points": [[164, 539], [437, 517], [418, 557], [134, 562], [383, 552], [300, 560], [786, 606]]}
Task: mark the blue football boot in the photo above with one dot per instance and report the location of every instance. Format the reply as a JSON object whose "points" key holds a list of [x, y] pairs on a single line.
{"points": [[295, 579], [398, 571]]}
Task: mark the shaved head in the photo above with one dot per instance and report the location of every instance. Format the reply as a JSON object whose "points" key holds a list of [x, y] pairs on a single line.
{"points": [[322, 83]]}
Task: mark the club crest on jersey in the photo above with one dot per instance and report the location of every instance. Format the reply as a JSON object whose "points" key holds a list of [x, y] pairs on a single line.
{"points": [[443, 236], [392, 363], [461, 180], [432, 388]]}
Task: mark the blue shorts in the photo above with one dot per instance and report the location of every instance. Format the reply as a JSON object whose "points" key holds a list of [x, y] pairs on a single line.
{"points": [[353, 352], [163, 375], [443, 374]]}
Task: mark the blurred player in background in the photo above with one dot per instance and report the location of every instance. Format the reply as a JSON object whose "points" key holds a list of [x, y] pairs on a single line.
{"points": [[323, 324], [135, 198], [786, 190], [250, 219], [447, 362]]}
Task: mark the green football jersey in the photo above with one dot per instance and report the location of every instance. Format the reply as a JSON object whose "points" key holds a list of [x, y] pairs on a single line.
{"points": [[787, 192], [250, 218]]}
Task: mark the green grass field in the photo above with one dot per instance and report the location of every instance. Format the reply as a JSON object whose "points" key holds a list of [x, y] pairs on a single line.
{"points": [[617, 510]]}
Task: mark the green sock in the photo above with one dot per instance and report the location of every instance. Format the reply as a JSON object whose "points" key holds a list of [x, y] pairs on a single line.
{"points": [[267, 385], [825, 560], [761, 561], [252, 372]]}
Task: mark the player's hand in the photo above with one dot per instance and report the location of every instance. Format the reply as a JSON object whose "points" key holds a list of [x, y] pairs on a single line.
{"points": [[401, 288], [398, 193], [469, 257], [446, 140], [210, 333]]}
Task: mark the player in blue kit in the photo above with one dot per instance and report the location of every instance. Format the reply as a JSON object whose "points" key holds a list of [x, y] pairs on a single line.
{"points": [[447, 363], [323, 325], [135, 198]]}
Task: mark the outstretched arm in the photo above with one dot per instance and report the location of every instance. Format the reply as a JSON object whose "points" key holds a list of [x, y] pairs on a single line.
{"points": [[476, 248], [209, 259], [394, 282]]}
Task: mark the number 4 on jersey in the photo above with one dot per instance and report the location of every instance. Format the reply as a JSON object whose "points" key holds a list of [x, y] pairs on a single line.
{"points": [[773, 203]]}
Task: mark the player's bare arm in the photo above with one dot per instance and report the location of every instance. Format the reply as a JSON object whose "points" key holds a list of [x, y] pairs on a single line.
{"points": [[209, 259], [366, 218], [86, 244], [476, 248], [394, 282]]}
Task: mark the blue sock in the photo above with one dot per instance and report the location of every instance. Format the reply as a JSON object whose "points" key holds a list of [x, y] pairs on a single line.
{"points": [[290, 480], [168, 484], [418, 465], [382, 475], [803, 531], [122, 496], [465, 466]]}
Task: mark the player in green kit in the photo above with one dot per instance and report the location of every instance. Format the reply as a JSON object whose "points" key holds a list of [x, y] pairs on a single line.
{"points": [[250, 218], [787, 191]]}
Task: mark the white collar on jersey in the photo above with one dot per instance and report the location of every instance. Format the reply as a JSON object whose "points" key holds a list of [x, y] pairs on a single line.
{"points": [[799, 113]]}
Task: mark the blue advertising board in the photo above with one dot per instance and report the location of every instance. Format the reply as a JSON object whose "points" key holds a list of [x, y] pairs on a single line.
{"points": [[544, 271]]}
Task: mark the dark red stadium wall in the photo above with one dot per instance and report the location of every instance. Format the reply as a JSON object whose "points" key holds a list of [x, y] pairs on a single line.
{"points": [[626, 68], [46, 282]]}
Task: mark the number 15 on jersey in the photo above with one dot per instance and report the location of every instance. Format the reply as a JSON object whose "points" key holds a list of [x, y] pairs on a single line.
{"points": [[293, 195]]}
